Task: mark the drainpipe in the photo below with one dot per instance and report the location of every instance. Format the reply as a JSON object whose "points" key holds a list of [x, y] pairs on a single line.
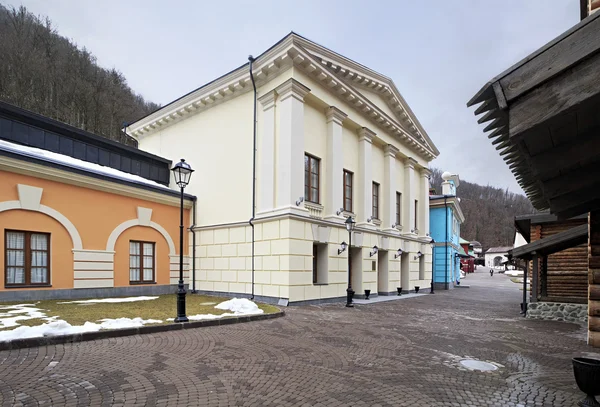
{"points": [[251, 221], [446, 285], [193, 246]]}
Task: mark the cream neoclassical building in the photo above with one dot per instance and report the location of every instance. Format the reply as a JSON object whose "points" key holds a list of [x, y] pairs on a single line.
{"points": [[333, 139]]}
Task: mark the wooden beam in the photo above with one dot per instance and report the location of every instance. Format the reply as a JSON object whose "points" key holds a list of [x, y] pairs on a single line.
{"points": [[534, 277], [565, 202], [553, 98], [584, 178], [566, 53], [582, 149]]}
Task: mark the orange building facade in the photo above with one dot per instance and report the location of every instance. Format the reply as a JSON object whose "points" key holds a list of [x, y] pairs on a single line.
{"points": [[68, 231]]}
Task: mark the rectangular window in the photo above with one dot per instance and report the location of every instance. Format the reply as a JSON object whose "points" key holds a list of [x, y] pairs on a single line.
{"points": [[416, 214], [141, 262], [375, 212], [311, 178], [27, 257], [398, 208], [320, 266], [315, 263], [347, 191]]}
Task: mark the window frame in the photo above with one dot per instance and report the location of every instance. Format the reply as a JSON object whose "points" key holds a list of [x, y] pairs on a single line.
{"points": [[309, 178], [351, 185], [141, 263], [375, 200], [398, 208], [27, 258], [416, 214]]}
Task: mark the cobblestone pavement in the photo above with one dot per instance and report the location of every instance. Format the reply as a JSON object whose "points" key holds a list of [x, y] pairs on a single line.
{"points": [[397, 353]]}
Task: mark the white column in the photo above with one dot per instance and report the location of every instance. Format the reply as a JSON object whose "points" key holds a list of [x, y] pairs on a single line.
{"points": [[266, 178], [424, 204], [334, 196], [389, 189], [408, 197], [365, 178], [290, 145]]}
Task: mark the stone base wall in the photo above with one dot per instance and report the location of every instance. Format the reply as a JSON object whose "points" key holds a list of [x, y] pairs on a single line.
{"points": [[558, 311]]}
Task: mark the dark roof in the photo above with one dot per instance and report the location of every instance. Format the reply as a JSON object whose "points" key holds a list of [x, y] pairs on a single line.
{"points": [[552, 244], [523, 222], [475, 243], [30, 129]]}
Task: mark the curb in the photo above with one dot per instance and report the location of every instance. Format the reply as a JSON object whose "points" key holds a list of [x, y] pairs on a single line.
{"points": [[116, 333]]}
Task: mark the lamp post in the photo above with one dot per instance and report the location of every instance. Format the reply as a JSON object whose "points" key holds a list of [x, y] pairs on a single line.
{"points": [[432, 243], [182, 173], [349, 292]]}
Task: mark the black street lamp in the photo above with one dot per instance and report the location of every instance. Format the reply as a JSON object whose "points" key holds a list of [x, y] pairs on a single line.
{"points": [[432, 243], [349, 292], [182, 173]]}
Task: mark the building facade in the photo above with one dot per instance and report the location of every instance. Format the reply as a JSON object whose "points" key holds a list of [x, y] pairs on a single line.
{"points": [[72, 225], [446, 218], [333, 139], [497, 257]]}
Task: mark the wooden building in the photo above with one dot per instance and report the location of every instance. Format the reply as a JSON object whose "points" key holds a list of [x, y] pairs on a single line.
{"points": [[563, 275], [544, 121]]}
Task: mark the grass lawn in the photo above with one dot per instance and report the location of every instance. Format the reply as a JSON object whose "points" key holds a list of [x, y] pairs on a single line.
{"points": [[162, 308]]}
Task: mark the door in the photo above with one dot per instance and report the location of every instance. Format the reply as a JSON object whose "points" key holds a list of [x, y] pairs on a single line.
{"points": [[382, 272]]}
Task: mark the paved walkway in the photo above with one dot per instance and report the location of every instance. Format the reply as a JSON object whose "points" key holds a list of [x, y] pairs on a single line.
{"points": [[396, 353]]}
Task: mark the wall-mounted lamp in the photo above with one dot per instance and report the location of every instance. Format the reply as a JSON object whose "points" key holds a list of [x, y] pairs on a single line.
{"points": [[419, 254], [398, 253], [340, 211], [299, 201], [394, 226], [374, 252], [343, 247], [369, 219]]}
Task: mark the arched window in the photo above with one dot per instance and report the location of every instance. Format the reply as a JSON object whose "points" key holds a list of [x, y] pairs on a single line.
{"points": [[497, 261]]}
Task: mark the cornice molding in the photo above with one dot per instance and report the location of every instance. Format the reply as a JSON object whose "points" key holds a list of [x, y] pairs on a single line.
{"points": [[332, 113], [297, 52], [366, 134], [425, 172], [66, 177], [390, 150], [410, 162], [268, 100], [292, 88]]}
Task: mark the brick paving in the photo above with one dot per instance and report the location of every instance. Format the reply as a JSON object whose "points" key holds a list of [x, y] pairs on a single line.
{"points": [[397, 353]]}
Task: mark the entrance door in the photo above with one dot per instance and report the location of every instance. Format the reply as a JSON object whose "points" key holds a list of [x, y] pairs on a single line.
{"points": [[405, 271], [382, 272]]}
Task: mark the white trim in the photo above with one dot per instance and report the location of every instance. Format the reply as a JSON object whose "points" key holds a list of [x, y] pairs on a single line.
{"points": [[94, 274], [112, 239], [59, 217], [93, 283], [93, 255]]}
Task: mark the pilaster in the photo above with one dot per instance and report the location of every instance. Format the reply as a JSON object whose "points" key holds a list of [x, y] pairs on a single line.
{"points": [[290, 145], [389, 189], [365, 177], [266, 178], [408, 197], [334, 197], [424, 203]]}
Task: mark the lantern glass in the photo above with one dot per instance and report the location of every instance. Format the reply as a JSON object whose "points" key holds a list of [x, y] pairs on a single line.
{"points": [[350, 224], [182, 172]]}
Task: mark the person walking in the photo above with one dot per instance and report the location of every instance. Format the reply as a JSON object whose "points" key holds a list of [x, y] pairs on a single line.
{"points": [[491, 272]]}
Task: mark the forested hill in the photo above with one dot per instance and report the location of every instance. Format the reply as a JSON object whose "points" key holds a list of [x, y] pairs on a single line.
{"points": [[48, 74], [489, 211]]}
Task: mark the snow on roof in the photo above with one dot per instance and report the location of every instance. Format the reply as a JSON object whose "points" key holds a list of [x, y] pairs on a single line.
{"points": [[62, 159], [500, 249]]}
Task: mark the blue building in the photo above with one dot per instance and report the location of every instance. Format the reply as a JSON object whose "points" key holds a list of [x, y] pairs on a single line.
{"points": [[445, 218]]}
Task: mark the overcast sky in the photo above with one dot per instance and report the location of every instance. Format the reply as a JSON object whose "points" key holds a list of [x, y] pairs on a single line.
{"points": [[438, 52]]}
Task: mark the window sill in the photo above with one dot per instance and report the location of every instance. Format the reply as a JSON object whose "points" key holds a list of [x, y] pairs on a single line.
{"points": [[320, 283], [142, 282], [376, 222], [28, 286]]}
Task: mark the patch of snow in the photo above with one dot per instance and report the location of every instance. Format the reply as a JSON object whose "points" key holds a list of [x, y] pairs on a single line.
{"points": [[110, 300], [473, 364], [202, 317], [50, 329], [74, 162], [120, 323], [240, 306], [513, 273], [207, 303], [10, 318]]}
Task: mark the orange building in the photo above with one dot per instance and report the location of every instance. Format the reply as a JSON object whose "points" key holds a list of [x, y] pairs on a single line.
{"points": [[82, 216]]}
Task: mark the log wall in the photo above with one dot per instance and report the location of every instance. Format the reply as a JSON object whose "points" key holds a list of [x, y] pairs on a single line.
{"points": [[566, 270], [594, 280]]}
